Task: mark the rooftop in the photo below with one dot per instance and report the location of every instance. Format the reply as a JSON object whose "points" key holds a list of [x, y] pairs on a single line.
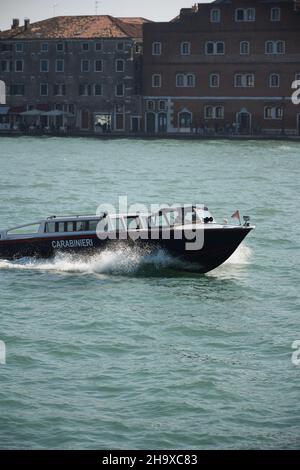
{"points": [[77, 27]]}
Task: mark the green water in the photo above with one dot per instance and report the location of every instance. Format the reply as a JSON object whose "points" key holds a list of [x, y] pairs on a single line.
{"points": [[124, 351]]}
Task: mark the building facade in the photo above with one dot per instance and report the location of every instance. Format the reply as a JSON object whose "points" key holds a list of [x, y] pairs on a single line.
{"points": [[224, 67], [81, 72]]}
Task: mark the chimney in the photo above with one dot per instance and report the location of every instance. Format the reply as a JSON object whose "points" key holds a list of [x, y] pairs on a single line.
{"points": [[15, 23], [26, 23]]}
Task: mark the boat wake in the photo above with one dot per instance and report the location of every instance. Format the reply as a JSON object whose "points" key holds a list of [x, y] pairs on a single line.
{"points": [[123, 261]]}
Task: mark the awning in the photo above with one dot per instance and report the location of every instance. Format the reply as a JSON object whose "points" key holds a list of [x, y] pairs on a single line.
{"points": [[32, 112], [4, 110], [54, 113]]}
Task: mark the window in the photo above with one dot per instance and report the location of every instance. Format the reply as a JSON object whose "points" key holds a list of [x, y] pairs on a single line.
{"points": [[214, 112], [19, 47], [297, 76], [209, 48], [59, 65], [275, 47], [162, 105], [59, 89], [98, 89], [60, 47], [215, 48], [120, 65], [274, 112], [19, 66], [7, 47], [6, 66], [85, 66], [132, 223], [214, 80], [280, 47], [185, 48], [44, 65], [120, 89], [215, 16], [190, 80], [156, 48], [44, 47], [220, 48], [180, 80], [245, 14], [156, 80], [274, 80], [244, 80], [98, 66], [24, 230], [50, 227], [185, 120], [44, 89], [17, 89], [209, 111], [120, 46], [85, 47], [275, 14], [98, 46], [185, 80], [219, 112], [138, 48], [244, 48], [150, 105], [85, 89], [92, 225]]}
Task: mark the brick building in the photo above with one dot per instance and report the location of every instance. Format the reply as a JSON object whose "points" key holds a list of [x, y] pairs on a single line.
{"points": [[86, 70], [224, 67]]}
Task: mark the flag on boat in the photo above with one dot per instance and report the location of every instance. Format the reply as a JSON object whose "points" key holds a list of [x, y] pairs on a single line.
{"points": [[236, 215]]}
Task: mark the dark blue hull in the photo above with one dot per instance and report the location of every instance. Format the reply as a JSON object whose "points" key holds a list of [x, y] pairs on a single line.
{"points": [[219, 245]]}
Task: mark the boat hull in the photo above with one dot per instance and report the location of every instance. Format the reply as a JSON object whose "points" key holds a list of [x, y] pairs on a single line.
{"points": [[218, 245]]}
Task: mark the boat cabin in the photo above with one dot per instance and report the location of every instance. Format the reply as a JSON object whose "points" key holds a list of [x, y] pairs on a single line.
{"points": [[164, 218]]}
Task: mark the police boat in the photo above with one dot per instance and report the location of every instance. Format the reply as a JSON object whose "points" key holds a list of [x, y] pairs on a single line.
{"points": [[188, 233]]}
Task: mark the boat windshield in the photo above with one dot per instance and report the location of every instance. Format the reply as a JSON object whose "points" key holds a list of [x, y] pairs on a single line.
{"points": [[26, 229]]}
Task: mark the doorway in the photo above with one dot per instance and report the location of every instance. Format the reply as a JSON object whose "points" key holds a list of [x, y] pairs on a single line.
{"points": [[150, 123], [162, 122], [85, 119], [244, 121]]}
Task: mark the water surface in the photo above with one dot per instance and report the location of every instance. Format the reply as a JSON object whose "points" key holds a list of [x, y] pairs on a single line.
{"points": [[125, 351]]}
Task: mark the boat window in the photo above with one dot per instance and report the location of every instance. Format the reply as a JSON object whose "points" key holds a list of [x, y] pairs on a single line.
{"points": [[59, 227], [80, 226], [190, 217], [92, 225], [132, 223], [174, 217], [50, 227], [28, 229], [69, 226], [158, 221]]}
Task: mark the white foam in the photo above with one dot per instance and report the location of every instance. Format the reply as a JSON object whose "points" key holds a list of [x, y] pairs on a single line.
{"points": [[123, 260], [231, 267], [119, 261], [241, 256]]}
